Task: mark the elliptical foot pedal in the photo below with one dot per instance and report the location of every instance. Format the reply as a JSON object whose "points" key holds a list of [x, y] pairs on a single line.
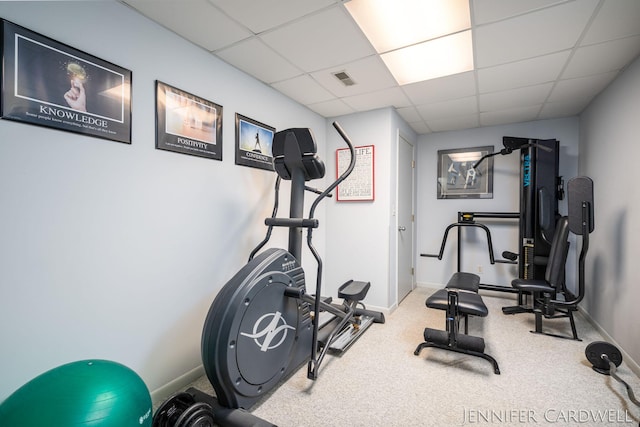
{"points": [[353, 290], [350, 334]]}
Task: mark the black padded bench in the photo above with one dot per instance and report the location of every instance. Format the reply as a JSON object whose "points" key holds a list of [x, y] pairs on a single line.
{"points": [[459, 298]]}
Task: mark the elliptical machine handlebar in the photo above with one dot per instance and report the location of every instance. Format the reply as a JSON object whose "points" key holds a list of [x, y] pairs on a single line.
{"points": [[313, 366], [342, 177], [272, 221]]}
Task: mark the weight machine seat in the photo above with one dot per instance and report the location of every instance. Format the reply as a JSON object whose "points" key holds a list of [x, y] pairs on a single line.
{"points": [[465, 281], [469, 303], [295, 149], [546, 291], [554, 273], [459, 299]]}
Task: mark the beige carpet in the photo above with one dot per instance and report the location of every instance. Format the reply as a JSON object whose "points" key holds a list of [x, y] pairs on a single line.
{"points": [[380, 382]]}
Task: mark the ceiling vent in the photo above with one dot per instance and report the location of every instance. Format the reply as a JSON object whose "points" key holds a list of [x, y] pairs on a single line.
{"points": [[344, 78]]}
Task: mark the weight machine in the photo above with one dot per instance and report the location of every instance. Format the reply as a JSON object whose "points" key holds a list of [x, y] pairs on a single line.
{"points": [[540, 189]]}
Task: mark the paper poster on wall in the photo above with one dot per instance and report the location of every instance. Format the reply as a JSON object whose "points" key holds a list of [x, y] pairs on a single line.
{"points": [[50, 84], [360, 185]]}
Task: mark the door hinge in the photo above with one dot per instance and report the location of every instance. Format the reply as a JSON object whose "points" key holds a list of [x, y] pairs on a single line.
{"points": [[413, 218], [413, 164], [412, 271]]}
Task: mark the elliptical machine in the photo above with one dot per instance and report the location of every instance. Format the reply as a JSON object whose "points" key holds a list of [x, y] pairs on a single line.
{"points": [[263, 324]]}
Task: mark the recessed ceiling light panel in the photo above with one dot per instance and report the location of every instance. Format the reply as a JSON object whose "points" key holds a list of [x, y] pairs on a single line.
{"points": [[432, 59], [392, 24]]}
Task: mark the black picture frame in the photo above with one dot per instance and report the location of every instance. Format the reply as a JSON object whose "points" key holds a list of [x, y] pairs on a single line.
{"points": [[187, 124], [51, 84], [459, 179], [254, 142]]}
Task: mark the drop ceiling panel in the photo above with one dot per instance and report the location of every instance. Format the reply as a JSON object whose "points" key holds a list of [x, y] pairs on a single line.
{"points": [[515, 98], [193, 20], [512, 115], [616, 19], [420, 127], [262, 15], [454, 108], [369, 74], [453, 123], [410, 114], [539, 33], [552, 110], [254, 57], [331, 108], [303, 89], [582, 89], [602, 57], [451, 87], [319, 41], [382, 98], [496, 10], [522, 73]]}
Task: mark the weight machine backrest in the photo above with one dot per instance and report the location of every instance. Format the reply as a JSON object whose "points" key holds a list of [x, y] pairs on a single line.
{"points": [[580, 192], [555, 271]]}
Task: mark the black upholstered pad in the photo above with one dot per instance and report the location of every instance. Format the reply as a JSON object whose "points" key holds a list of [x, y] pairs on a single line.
{"points": [[530, 285], [468, 302], [466, 281]]}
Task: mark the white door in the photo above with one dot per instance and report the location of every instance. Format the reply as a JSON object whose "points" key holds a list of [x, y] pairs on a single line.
{"points": [[405, 218]]}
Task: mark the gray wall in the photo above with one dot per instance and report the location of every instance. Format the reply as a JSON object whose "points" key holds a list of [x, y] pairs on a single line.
{"points": [[609, 147], [116, 251]]}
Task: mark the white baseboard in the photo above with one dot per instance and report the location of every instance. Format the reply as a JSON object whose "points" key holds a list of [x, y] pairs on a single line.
{"points": [[430, 285], [162, 393]]}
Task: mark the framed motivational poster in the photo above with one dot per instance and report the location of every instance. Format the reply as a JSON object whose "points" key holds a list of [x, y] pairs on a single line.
{"points": [[360, 184], [50, 84]]}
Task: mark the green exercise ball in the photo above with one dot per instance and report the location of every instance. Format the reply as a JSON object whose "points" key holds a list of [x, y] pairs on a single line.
{"points": [[87, 393]]}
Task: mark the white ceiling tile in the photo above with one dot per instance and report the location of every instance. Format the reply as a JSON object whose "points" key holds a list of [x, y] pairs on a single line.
{"points": [[496, 10], [552, 110], [450, 87], [615, 19], [303, 89], [603, 57], [581, 89], [453, 108], [409, 114], [255, 58], [332, 108], [261, 15], [320, 41], [539, 33], [192, 20], [528, 72], [393, 97], [369, 74], [420, 128], [514, 98], [453, 123], [511, 115]]}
